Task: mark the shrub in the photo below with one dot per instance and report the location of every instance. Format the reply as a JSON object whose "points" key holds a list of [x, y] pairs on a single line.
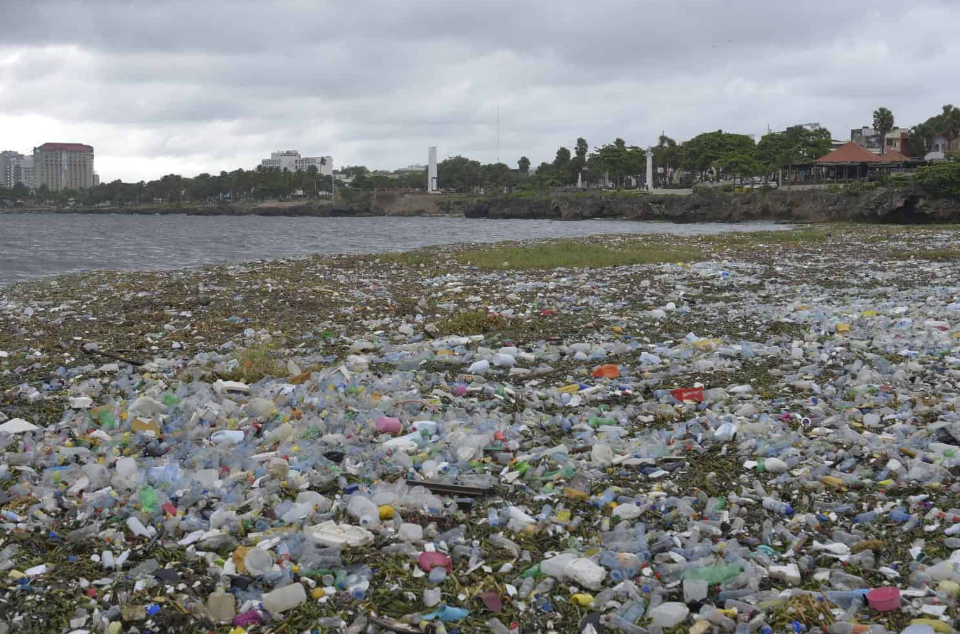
{"points": [[859, 187], [942, 180], [897, 181]]}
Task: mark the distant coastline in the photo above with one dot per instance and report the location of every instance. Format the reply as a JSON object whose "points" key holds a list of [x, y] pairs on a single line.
{"points": [[910, 205]]}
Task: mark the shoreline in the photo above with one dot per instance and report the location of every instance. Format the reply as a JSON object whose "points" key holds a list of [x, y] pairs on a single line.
{"points": [[742, 226], [909, 205]]}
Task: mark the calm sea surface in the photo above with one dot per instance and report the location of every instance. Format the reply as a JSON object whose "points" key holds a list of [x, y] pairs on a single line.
{"points": [[39, 245]]}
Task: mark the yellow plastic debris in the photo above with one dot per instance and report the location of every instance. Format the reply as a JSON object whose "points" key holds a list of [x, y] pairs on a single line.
{"points": [[951, 588], [582, 599], [700, 627], [574, 494], [937, 625], [386, 512], [841, 327]]}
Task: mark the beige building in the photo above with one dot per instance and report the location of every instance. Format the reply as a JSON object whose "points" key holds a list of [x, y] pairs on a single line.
{"points": [[63, 166]]}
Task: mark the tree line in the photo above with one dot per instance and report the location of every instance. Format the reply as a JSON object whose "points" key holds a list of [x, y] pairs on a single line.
{"points": [[262, 183], [708, 155]]}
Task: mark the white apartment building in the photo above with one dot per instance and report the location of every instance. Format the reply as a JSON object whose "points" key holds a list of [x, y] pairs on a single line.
{"points": [[17, 168], [291, 160]]}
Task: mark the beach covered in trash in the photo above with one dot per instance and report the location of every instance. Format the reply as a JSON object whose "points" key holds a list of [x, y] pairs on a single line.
{"points": [[712, 434]]}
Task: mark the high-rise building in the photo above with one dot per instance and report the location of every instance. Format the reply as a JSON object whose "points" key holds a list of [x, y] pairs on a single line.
{"points": [[63, 166], [25, 172], [7, 157], [292, 161], [16, 168]]}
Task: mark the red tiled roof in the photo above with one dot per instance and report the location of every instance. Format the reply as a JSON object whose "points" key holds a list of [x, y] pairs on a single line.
{"points": [[892, 156], [65, 147], [849, 153]]}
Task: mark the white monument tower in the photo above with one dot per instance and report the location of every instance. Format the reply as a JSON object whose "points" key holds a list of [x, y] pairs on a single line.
{"points": [[649, 170], [432, 186]]}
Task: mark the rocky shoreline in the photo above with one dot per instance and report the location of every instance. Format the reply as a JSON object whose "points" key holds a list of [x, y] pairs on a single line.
{"points": [[882, 205], [906, 206]]}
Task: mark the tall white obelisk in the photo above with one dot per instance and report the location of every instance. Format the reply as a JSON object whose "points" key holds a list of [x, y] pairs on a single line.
{"points": [[432, 185]]}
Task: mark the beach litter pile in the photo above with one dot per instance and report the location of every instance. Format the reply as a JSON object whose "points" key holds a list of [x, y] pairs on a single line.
{"points": [[759, 442]]}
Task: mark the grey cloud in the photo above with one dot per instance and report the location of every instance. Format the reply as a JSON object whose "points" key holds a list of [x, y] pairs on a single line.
{"points": [[220, 84]]}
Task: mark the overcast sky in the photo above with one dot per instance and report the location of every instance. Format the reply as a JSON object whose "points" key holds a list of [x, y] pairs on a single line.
{"points": [[202, 85]]}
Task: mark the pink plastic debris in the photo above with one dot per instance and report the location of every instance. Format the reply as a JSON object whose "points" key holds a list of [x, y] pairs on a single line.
{"points": [[250, 617], [492, 601], [429, 561], [388, 425]]}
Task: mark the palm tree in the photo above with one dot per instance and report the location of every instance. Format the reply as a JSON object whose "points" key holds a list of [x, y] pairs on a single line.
{"points": [[882, 123]]}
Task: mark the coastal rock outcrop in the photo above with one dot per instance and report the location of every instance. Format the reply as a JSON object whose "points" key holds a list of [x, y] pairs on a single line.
{"points": [[877, 205]]}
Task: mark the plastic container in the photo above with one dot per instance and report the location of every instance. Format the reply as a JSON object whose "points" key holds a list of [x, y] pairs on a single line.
{"points": [[258, 561], [285, 598], [884, 599], [222, 606]]}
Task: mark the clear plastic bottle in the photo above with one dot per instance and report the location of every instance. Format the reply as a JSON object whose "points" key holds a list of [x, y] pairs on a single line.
{"points": [[776, 506]]}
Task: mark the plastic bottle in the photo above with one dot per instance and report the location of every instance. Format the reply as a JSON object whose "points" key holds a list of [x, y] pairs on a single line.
{"points": [[776, 506], [632, 612], [715, 574], [364, 510], [716, 617], [865, 518], [526, 587], [285, 598], [614, 622], [604, 499], [497, 627], [899, 515]]}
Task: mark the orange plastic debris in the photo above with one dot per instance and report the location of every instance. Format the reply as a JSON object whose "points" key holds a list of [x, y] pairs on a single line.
{"points": [[607, 371]]}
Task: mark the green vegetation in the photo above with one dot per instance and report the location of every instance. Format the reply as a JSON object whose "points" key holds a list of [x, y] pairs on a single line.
{"points": [[704, 151], [572, 253], [941, 179], [255, 363], [859, 187], [882, 123], [471, 322], [796, 144], [946, 124]]}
